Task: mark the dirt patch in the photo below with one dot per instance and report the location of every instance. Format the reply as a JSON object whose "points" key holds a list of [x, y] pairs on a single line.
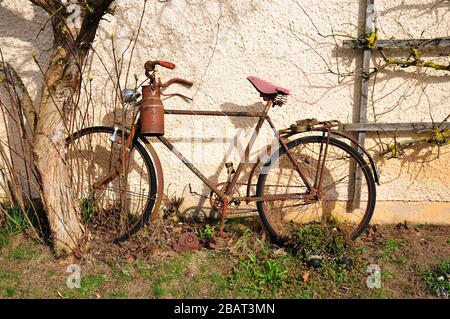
{"points": [[403, 252]]}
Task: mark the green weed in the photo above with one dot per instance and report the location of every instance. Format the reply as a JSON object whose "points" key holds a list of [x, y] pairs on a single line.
{"points": [[90, 284], [9, 292], [321, 239], [206, 232], [256, 275], [390, 247], [387, 275], [5, 238], [87, 209], [437, 278], [16, 222], [23, 252]]}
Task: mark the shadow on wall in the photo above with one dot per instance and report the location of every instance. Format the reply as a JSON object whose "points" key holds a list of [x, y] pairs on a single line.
{"points": [[413, 160], [14, 25], [244, 123], [34, 32], [402, 97], [425, 8]]}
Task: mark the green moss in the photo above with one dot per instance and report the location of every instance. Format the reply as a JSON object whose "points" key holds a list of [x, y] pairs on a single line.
{"points": [[371, 39], [440, 137]]}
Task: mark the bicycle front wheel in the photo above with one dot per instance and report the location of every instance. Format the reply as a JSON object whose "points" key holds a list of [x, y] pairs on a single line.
{"points": [[336, 202], [115, 199]]}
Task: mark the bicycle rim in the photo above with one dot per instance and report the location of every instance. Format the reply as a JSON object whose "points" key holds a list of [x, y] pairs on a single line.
{"points": [[338, 203], [122, 206]]}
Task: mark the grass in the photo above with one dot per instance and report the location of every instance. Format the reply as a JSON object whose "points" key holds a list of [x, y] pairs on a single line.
{"points": [[401, 261], [16, 221], [8, 281], [437, 278], [90, 285], [5, 238], [117, 294], [87, 209], [271, 274], [26, 252], [387, 275], [250, 267], [319, 239], [390, 247], [9, 292], [257, 276]]}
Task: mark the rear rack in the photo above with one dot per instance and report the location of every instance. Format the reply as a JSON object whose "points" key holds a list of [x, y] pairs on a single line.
{"points": [[311, 124]]}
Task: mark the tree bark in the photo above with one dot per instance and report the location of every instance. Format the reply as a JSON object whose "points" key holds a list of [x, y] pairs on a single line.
{"points": [[63, 211]]}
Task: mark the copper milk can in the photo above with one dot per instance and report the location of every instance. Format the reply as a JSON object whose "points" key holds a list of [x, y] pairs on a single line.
{"points": [[152, 111]]}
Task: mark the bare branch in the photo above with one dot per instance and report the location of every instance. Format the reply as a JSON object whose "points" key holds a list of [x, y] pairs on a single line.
{"points": [[48, 5]]}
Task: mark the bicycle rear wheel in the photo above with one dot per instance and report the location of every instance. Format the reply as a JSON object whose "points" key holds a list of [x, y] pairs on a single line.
{"points": [[337, 203], [121, 206]]}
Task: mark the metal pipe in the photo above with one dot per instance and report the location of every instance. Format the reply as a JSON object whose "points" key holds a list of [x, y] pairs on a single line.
{"points": [[213, 113]]}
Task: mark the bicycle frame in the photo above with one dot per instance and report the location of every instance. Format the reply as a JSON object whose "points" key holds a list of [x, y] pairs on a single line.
{"points": [[313, 191], [225, 195]]}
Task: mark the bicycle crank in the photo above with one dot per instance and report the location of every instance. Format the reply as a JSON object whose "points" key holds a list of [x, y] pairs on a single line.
{"points": [[216, 201]]}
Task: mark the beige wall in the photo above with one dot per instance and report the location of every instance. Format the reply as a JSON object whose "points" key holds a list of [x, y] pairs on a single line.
{"points": [[217, 43]]}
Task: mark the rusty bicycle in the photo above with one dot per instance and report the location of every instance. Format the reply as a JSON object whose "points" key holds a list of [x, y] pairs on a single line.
{"points": [[310, 178]]}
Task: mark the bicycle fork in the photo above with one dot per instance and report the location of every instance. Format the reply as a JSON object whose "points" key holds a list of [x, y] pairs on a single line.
{"points": [[122, 161]]}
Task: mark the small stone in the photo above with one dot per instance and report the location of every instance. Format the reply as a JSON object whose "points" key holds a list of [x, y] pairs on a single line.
{"points": [[347, 261], [314, 261], [226, 229]]}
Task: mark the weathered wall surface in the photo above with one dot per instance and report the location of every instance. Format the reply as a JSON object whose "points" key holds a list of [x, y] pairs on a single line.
{"points": [[217, 43]]}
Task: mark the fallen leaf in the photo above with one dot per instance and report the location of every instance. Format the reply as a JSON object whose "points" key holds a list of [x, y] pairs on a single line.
{"points": [[306, 276]]}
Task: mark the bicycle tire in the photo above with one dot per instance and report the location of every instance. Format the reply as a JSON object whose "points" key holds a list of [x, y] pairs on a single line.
{"points": [[143, 218], [279, 238]]}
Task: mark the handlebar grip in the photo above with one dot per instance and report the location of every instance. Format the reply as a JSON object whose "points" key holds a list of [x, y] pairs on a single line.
{"points": [[166, 64], [150, 65]]}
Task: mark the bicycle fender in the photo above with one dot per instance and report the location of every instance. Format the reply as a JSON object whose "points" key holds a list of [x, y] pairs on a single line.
{"points": [[359, 147], [159, 176]]}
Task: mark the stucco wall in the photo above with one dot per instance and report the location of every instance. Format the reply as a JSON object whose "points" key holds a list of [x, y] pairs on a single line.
{"points": [[216, 44]]}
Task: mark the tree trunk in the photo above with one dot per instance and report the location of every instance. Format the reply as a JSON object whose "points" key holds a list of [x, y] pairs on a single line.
{"points": [[74, 25], [61, 81]]}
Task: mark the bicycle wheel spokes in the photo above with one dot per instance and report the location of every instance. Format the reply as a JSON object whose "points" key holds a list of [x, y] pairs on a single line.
{"points": [[120, 202], [335, 200]]}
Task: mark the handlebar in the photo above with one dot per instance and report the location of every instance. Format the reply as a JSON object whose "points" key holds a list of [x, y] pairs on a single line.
{"points": [[177, 80], [150, 72], [150, 65]]}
